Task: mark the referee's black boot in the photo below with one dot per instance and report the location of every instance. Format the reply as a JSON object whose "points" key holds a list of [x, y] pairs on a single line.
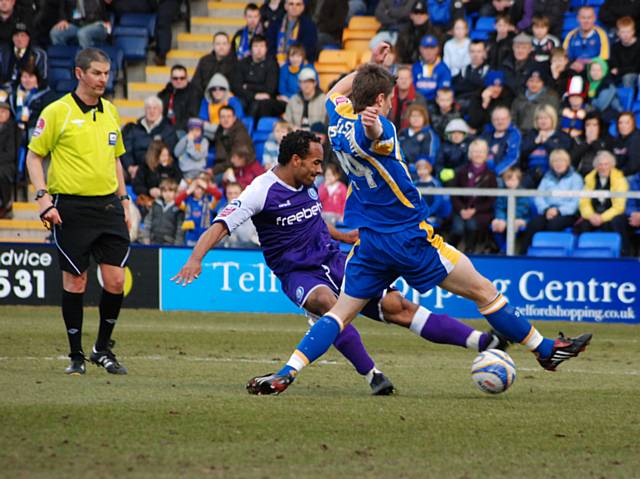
{"points": [[76, 366], [107, 360]]}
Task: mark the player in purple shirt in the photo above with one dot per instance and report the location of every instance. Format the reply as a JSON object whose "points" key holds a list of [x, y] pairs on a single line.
{"points": [[297, 245]]}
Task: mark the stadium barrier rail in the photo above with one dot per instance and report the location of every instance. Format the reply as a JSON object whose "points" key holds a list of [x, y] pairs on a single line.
{"points": [[512, 195]]}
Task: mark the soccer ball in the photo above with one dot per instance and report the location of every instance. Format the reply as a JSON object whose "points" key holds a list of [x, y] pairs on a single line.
{"points": [[493, 371]]}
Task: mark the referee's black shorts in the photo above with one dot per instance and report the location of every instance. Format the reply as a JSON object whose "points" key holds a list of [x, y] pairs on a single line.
{"points": [[91, 226]]}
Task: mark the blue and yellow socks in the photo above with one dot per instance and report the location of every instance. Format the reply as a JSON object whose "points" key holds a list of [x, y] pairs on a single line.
{"points": [[316, 342], [505, 319]]}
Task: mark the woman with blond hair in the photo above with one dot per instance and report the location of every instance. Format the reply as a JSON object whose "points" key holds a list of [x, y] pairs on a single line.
{"points": [[538, 144]]}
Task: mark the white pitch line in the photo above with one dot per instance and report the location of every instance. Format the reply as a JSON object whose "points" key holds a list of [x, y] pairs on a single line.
{"points": [[165, 358], [279, 361]]}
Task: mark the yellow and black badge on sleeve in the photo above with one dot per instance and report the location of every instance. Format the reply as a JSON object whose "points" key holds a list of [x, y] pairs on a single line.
{"points": [[84, 142]]}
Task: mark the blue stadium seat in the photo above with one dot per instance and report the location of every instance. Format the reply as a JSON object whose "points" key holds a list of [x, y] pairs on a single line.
{"points": [[542, 251], [554, 239], [134, 47], [266, 123], [59, 73], [259, 147], [569, 24], [613, 129], [65, 86], [594, 3], [264, 128], [61, 55], [611, 242], [144, 20], [485, 24], [593, 253], [248, 123], [575, 4], [479, 35], [625, 96]]}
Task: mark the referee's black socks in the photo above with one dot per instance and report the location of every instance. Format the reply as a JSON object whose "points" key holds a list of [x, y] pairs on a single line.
{"points": [[72, 315], [109, 310]]}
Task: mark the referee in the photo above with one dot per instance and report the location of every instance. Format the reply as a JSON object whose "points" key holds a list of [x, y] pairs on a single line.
{"points": [[85, 202]]}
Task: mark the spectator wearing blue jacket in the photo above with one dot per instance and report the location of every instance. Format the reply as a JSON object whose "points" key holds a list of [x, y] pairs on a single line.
{"points": [[289, 71], [293, 27], [430, 73], [504, 140], [555, 213], [419, 140], [586, 42]]}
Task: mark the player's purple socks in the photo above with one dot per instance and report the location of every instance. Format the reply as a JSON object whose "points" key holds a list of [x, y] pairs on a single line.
{"points": [[443, 329], [349, 343]]}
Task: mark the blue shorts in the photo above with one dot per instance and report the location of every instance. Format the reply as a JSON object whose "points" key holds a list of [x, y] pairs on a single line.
{"points": [[299, 284], [423, 259]]}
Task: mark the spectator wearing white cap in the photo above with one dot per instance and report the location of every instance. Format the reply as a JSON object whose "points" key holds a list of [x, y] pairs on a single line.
{"points": [[453, 151], [307, 107]]}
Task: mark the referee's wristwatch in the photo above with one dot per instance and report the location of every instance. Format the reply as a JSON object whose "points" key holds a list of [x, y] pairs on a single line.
{"points": [[124, 197], [40, 194]]}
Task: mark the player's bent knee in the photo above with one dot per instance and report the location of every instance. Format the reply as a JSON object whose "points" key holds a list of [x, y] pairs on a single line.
{"points": [[74, 283], [320, 301], [398, 310]]}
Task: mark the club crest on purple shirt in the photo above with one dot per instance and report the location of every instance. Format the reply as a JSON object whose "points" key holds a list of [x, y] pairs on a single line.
{"points": [[313, 194], [299, 293]]}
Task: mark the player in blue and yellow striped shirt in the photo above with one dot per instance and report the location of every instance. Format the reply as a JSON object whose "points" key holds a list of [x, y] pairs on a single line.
{"points": [[395, 238]]}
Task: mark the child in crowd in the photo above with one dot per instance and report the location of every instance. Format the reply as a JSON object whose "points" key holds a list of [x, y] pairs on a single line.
{"points": [[501, 43], [625, 53], [244, 236], [454, 150], [543, 42], [439, 205], [163, 223], [559, 70], [192, 150], [288, 82], [198, 201], [333, 195], [456, 50], [445, 110], [511, 178], [272, 145], [245, 167], [574, 111]]}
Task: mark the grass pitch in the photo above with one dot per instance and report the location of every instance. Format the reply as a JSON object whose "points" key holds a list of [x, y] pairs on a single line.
{"points": [[183, 411]]}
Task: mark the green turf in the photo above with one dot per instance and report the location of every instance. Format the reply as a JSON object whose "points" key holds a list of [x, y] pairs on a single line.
{"points": [[183, 411]]}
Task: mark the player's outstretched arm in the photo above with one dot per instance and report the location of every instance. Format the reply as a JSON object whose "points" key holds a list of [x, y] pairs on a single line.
{"points": [[192, 268], [371, 122], [344, 86]]}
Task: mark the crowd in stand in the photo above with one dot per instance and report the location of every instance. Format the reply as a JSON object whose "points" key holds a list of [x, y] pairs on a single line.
{"points": [[526, 104]]}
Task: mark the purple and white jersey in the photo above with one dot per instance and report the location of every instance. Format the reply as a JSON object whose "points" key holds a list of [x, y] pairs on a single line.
{"points": [[292, 233]]}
